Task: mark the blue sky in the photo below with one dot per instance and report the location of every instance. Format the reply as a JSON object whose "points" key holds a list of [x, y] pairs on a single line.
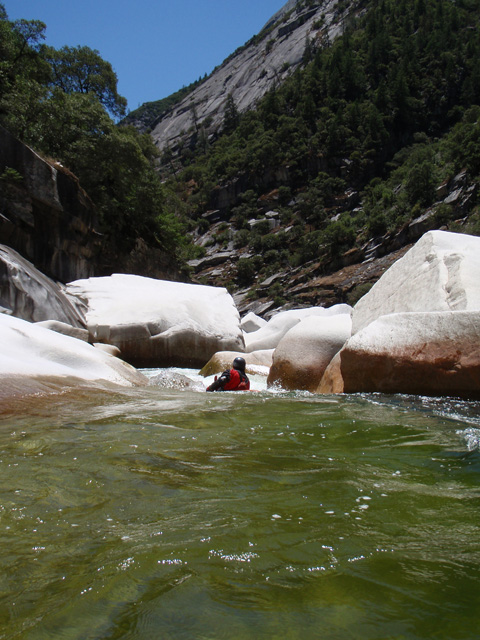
{"points": [[155, 46]]}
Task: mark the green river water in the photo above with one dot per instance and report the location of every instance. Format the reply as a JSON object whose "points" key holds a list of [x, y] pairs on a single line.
{"points": [[157, 513]]}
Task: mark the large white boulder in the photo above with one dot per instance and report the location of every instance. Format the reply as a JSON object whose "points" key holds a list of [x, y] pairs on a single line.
{"points": [[33, 359], [441, 272], [433, 353], [305, 351], [160, 323], [268, 336], [65, 329]]}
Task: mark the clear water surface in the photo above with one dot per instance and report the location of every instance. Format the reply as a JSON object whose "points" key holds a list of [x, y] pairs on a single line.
{"points": [[174, 514]]}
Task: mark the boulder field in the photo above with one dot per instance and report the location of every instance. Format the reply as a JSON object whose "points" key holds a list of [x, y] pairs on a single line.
{"points": [[269, 335], [433, 353], [417, 331], [297, 345], [304, 352]]}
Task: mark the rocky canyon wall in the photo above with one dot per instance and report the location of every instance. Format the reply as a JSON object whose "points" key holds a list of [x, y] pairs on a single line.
{"points": [[45, 215]]}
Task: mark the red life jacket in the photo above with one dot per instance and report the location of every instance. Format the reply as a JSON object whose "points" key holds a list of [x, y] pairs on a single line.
{"points": [[238, 382]]}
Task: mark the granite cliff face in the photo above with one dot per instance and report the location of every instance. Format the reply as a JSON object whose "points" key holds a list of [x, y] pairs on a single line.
{"points": [[48, 218], [45, 215], [247, 75]]}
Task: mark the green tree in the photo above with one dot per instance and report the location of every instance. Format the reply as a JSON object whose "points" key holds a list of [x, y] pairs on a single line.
{"points": [[82, 70], [231, 117], [60, 103], [20, 62], [246, 271], [464, 143]]}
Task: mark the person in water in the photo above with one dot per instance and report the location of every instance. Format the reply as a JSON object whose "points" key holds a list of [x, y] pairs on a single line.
{"points": [[234, 379]]}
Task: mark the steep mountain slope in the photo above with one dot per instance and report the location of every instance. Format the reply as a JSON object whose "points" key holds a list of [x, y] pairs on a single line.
{"points": [[249, 73], [372, 140]]}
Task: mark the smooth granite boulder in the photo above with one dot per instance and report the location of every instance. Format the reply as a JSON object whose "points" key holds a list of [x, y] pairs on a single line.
{"points": [[432, 353], [441, 272], [268, 336], [28, 294], [37, 360], [251, 322], [305, 351], [156, 323]]}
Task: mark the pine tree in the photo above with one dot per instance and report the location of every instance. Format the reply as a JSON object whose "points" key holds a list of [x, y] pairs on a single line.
{"points": [[231, 117]]}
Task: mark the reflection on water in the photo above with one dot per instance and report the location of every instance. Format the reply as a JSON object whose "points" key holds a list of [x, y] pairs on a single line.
{"points": [[167, 513]]}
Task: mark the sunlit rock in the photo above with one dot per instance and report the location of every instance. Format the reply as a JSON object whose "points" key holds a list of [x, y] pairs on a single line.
{"points": [[156, 323], [433, 353], [108, 348], [65, 329], [268, 336], [28, 294], [441, 272], [303, 354], [34, 359], [251, 322], [257, 362], [251, 72], [332, 380]]}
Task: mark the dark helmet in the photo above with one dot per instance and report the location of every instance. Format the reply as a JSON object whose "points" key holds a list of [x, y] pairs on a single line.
{"points": [[239, 364]]}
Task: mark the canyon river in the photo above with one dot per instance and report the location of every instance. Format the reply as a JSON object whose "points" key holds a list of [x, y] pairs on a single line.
{"points": [[174, 514]]}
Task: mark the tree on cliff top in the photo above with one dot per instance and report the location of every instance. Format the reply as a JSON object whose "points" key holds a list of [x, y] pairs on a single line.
{"points": [[82, 70], [19, 45]]}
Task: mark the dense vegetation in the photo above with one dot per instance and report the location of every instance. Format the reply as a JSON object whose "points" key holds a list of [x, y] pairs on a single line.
{"points": [[61, 102], [366, 131]]}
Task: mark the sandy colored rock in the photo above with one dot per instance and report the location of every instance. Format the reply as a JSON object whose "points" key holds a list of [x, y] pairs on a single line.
{"points": [[65, 329], [332, 380], [305, 351], [436, 353], [108, 348]]}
